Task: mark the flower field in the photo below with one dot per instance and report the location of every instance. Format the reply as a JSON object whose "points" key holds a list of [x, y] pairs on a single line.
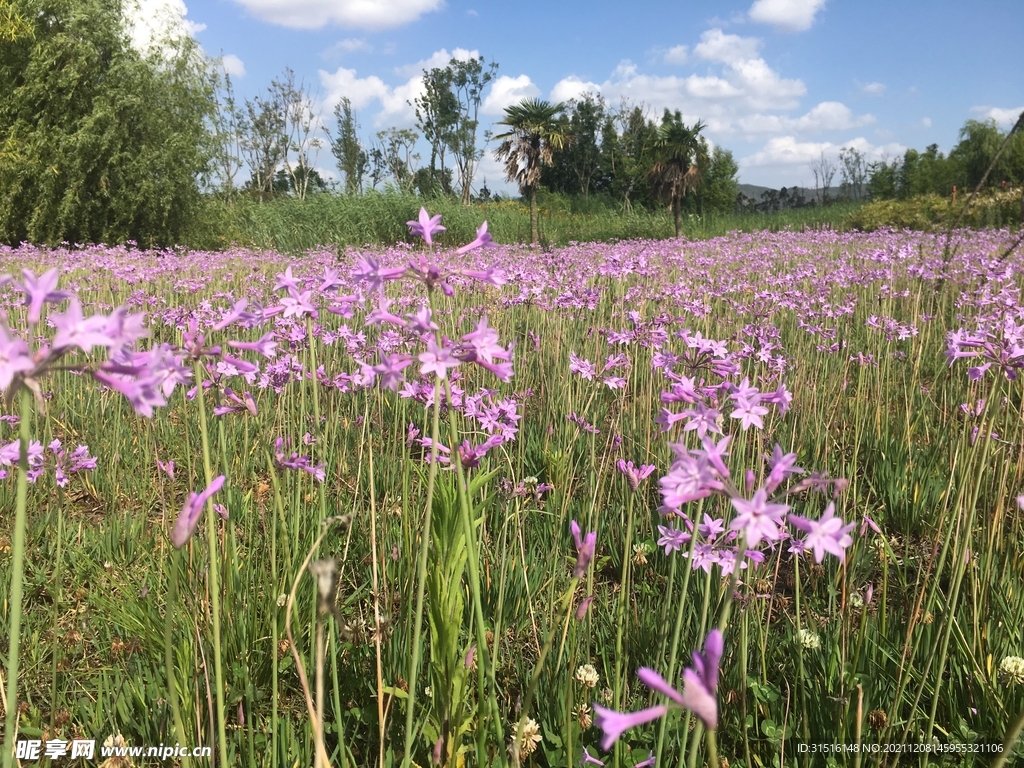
{"points": [[630, 504]]}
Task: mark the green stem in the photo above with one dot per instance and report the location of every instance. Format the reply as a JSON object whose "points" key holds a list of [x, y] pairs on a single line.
{"points": [[172, 686], [620, 620], [1011, 740], [676, 632], [421, 581], [17, 578], [211, 536]]}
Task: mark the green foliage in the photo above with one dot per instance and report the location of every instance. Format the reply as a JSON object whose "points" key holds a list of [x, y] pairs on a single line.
{"points": [[997, 208], [98, 143], [577, 168], [719, 188], [352, 158]]}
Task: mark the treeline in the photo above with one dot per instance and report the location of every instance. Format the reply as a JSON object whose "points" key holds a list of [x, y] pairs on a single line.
{"points": [[614, 153], [932, 173], [102, 143]]}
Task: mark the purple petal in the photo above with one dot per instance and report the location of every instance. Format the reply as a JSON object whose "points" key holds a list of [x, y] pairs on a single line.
{"points": [[656, 682]]}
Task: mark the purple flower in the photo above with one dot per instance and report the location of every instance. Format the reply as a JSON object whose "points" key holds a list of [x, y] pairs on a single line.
{"points": [[700, 683], [390, 370], [614, 724], [73, 330], [237, 312], [673, 539], [483, 238], [589, 759], [828, 534], [759, 519], [427, 226], [437, 360], [368, 270], [633, 475], [77, 461], [14, 358], [584, 549], [648, 763], [749, 411], [40, 290], [493, 276], [192, 511], [298, 304], [583, 607]]}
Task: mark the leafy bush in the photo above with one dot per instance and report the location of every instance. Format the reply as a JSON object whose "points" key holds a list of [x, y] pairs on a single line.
{"points": [[925, 212]]}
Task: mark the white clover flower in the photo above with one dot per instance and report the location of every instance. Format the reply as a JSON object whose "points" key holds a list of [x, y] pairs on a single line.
{"points": [[808, 639], [530, 739], [856, 601], [587, 675], [281, 600], [1012, 668]]}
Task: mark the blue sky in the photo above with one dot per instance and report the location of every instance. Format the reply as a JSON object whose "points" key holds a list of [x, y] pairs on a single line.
{"points": [[778, 82]]}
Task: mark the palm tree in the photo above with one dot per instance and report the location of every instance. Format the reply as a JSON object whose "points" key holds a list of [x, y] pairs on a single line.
{"points": [[533, 135], [680, 154]]}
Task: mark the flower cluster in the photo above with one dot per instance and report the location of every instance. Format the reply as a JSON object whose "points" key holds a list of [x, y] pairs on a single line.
{"points": [[999, 344], [59, 460]]}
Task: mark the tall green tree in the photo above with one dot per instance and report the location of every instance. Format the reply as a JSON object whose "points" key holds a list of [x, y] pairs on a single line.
{"points": [[352, 158], [468, 80], [720, 188], [577, 167], [678, 157], [628, 142], [534, 132], [396, 152], [437, 116], [99, 143]]}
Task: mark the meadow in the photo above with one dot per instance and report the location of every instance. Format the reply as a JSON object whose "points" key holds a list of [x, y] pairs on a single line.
{"points": [[437, 504]]}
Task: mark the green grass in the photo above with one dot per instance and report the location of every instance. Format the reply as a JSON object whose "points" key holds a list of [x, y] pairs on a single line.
{"points": [[294, 226]]}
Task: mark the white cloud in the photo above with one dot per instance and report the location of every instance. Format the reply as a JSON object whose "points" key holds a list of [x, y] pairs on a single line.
{"points": [[787, 158], [926, 122], [788, 15], [150, 21], [677, 54], [715, 45], [361, 91], [348, 45], [233, 65], [1004, 118], [573, 87], [826, 116], [506, 91], [355, 14], [872, 89], [743, 86]]}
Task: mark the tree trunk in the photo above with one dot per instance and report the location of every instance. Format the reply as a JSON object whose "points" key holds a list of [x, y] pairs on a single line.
{"points": [[677, 214], [534, 228]]}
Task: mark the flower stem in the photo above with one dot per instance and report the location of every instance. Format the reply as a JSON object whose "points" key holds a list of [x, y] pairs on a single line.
{"points": [[421, 581], [17, 577], [172, 686], [214, 582]]}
